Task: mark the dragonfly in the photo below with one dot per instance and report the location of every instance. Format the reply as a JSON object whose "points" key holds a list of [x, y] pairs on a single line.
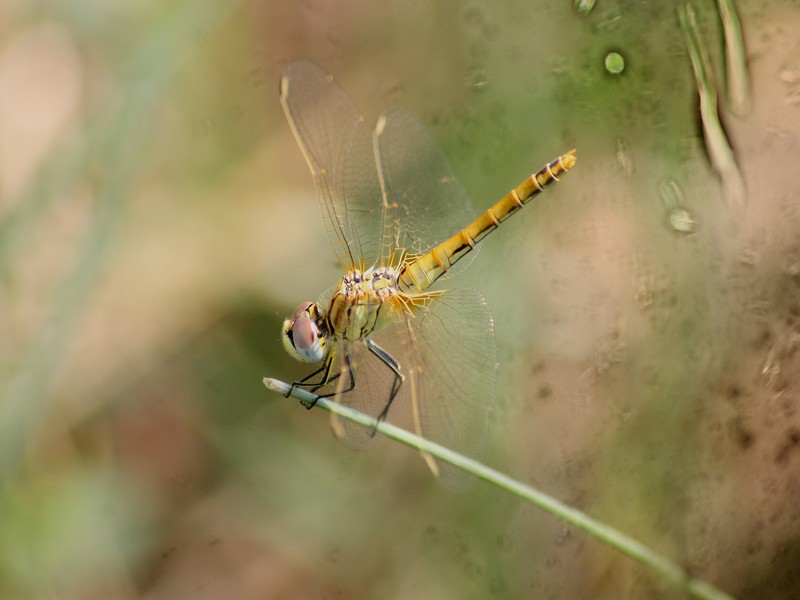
{"points": [[386, 343]]}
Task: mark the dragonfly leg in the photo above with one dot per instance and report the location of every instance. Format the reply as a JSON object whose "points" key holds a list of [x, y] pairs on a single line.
{"points": [[388, 360], [326, 379], [313, 386], [350, 386]]}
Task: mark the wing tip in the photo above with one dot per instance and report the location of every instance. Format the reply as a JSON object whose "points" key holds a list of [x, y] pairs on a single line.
{"points": [[283, 86], [380, 125]]}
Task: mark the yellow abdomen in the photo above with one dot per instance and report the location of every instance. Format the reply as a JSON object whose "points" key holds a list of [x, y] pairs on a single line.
{"points": [[422, 272]]}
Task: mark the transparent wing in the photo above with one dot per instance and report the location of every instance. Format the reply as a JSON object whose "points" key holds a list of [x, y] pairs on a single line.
{"points": [[425, 203], [446, 352], [338, 147]]}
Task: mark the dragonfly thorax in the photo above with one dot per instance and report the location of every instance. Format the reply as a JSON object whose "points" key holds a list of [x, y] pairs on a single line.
{"points": [[355, 307], [381, 281], [351, 314]]}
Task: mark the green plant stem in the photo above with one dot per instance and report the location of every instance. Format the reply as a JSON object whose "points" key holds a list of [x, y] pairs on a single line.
{"points": [[665, 568], [719, 150], [735, 59]]}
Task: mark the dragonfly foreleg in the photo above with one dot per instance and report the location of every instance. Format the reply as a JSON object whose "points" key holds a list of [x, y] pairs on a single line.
{"points": [[388, 360], [327, 378], [313, 386]]}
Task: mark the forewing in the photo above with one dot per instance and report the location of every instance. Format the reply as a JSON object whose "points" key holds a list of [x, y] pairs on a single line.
{"points": [[338, 147], [425, 203]]}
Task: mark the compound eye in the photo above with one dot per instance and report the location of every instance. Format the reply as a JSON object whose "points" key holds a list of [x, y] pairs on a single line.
{"points": [[304, 334], [303, 310], [301, 336]]}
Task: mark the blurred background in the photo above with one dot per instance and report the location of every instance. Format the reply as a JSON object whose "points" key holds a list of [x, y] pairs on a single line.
{"points": [[158, 222]]}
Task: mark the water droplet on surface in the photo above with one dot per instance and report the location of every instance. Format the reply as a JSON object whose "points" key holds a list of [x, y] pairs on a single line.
{"points": [[681, 220], [615, 63]]}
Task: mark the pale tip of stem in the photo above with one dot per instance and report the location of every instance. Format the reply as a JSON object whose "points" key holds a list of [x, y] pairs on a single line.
{"points": [[276, 385]]}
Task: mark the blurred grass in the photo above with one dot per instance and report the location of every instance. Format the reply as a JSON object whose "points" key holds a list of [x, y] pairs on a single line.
{"points": [[649, 377], [115, 144]]}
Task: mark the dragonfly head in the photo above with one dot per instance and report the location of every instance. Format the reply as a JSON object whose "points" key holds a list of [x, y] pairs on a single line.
{"points": [[303, 335]]}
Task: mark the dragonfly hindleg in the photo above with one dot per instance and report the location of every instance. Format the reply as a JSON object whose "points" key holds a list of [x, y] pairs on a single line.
{"points": [[388, 360]]}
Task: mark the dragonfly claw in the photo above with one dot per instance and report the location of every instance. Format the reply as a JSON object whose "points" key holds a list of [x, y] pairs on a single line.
{"points": [[309, 405]]}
